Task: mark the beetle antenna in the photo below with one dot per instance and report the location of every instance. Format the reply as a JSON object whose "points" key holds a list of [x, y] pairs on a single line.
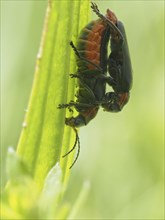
{"points": [[106, 20], [78, 152], [77, 140]]}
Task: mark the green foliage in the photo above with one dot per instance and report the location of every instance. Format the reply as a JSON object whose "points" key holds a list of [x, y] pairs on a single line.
{"points": [[22, 199], [38, 175], [44, 134]]}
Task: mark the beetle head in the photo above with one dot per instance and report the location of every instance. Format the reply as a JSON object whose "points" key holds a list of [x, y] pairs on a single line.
{"points": [[83, 118], [116, 102], [75, 122]]}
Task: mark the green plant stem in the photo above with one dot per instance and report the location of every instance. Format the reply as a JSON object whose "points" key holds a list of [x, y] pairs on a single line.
{"points": [[44, 133]]}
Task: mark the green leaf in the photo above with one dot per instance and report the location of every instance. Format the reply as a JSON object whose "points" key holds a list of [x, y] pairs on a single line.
{"points": [[36, 187], [20, 198], [50, 193], [15, 167], [44, 135]]}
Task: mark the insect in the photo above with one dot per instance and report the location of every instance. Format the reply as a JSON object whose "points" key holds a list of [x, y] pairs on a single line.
{"points": [[119, 66], [92, 63]]}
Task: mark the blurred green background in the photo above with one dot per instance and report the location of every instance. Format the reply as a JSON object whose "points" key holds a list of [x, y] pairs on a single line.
{"points": [[121, 154]]}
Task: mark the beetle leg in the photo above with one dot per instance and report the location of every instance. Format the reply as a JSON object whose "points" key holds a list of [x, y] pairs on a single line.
{"points": [[115, 72], [73, 75], [69, 105], [60, 106], [107, 79], [102, 77], [87, 92], [75, 104], [82, 92], [109, 96], [79, 76], [70, 110], [78, 104], [87, 76], [106, 20], [83, 58]]}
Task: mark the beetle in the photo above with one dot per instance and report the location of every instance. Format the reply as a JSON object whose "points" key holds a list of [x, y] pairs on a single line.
{"points": [[119, 66], [91, 59], [92, 63]]}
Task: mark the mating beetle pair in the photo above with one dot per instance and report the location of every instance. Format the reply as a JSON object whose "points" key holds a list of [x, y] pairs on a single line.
{"points": [[93, 63]]}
